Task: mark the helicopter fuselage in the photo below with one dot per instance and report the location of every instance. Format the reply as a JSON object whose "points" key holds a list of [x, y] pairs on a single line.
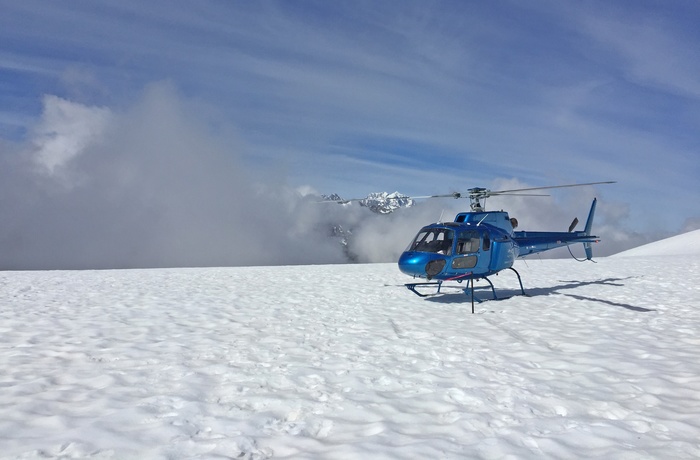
{"points": [[479, 244], [475, 243]]}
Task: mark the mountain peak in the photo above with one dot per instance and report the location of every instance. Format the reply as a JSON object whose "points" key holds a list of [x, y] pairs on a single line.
{"points": [[385, 203], [379, 202]]}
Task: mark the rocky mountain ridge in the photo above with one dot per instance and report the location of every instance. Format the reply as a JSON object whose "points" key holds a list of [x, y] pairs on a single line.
{"points": [[378, 202]]}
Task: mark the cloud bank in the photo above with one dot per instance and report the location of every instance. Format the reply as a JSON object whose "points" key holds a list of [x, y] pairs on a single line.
{"points": [[156, 185], [146, 187]]}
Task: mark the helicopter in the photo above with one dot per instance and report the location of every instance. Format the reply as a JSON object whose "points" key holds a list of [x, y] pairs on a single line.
{"points": [[480, 243]]}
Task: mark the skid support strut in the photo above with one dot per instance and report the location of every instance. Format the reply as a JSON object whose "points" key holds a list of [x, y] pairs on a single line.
{"points": [[469, 290], [519, 280]]}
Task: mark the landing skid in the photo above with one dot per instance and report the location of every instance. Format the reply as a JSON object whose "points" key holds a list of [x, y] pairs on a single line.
{"points": [[469, 290], [414, 287]]}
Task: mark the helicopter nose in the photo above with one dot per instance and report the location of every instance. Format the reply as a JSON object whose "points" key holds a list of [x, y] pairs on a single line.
{"points": [[420, 264], [412, 263]]}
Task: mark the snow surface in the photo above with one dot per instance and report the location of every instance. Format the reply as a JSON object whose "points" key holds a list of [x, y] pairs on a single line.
{"points": [[337, 362], [686, 243]]}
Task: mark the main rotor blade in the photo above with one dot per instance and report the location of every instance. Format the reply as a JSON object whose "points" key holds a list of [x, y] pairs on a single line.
{"points": [[478, 193], [429, 196], [518, 194], [551, 186], [450, 195]]}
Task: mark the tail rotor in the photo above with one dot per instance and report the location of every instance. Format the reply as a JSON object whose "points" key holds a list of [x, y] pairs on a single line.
{"points": [[587, 231]]}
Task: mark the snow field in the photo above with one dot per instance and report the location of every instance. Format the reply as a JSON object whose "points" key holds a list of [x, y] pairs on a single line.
{"points": [[343, 362]]}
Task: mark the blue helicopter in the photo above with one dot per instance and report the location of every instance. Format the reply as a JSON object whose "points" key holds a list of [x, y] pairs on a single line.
{"points": [[481, 243]]}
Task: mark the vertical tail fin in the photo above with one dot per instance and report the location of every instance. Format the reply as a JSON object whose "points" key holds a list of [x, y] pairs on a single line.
{"points": [[587, 231]]}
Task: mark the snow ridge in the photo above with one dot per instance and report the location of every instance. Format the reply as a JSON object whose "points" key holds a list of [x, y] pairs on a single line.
{"points": [[679, 245]]}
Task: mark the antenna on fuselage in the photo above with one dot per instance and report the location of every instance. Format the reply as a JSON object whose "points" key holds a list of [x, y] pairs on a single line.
{"points": [[442, 213]]}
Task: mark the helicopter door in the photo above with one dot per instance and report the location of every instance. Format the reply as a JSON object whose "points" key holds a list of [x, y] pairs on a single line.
{"points": [[467, 249], [468, 242]]}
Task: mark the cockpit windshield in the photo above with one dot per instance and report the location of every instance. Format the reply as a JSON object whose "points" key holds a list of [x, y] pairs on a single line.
{"points": [[435, 240]]}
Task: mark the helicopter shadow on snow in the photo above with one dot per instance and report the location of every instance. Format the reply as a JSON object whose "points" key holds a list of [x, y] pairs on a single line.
{"points": [[484, 292], [576, 284]]}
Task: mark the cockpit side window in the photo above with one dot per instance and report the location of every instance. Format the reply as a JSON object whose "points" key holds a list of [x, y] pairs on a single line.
{"points": [[487, 242], [468, 242], [436, 240]]}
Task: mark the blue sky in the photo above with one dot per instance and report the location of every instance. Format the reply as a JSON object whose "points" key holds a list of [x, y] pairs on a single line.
{"points": [[352, 97]]}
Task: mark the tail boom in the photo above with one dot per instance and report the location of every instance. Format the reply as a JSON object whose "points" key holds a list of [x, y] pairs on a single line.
{"points": [[535, 242]]}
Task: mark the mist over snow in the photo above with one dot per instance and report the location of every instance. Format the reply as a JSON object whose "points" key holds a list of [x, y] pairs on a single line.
{"points": [[152, 185], [147, 186], [158, 183]]}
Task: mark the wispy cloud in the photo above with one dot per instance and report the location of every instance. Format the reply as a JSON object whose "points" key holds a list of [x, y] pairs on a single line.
{"points": [[651, 46]]}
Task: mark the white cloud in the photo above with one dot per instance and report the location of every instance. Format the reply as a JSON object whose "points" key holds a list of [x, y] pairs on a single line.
{"points": [[157, 188], [66, 130]]}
